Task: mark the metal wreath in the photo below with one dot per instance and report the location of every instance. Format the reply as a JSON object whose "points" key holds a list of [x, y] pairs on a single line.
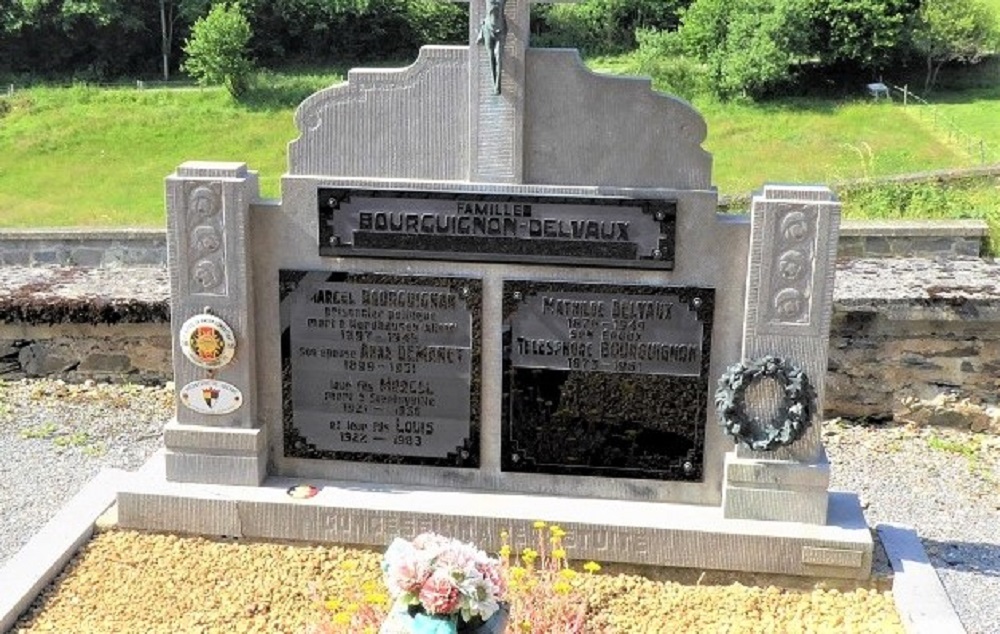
{"points": [[793, 417]]}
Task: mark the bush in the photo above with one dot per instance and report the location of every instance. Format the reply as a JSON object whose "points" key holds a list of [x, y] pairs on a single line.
{"points": [[216, 52], [748, 46], [661, 56], [603, 26]]}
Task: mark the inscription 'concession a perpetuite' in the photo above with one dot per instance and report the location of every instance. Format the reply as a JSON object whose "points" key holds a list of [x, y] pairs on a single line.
{"points": [[578, 231]]}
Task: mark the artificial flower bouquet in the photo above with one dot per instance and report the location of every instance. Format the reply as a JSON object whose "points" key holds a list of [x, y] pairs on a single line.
{"points": [[442, 583]]}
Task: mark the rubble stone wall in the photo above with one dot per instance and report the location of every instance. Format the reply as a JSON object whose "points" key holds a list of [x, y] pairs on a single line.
{"points": [[902, 329]]}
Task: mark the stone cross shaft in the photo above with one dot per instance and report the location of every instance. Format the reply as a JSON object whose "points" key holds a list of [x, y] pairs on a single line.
{"points": [[496, 120]]}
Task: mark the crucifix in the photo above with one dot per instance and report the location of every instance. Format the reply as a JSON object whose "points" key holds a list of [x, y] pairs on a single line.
{"points": [[498, 43]]}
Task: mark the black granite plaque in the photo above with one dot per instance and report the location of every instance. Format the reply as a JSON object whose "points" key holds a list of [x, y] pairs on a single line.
{"points": [[381, 368], [605, 380], [609, 232]]}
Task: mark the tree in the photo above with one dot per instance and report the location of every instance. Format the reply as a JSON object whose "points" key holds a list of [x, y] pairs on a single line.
{"points": [[171, 11], [749, 46], [217, 49], [863, 34], [954, 30], [602, 26]]}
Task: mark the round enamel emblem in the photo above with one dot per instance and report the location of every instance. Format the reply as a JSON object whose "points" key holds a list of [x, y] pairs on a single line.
{"points": [[207, 341], [209, 396]]}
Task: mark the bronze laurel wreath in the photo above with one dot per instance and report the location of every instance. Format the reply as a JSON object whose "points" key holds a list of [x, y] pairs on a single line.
{"points": [[793, 417]]}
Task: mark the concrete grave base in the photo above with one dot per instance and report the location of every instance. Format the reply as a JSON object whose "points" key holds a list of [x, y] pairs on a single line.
{"points": [[651, 533]]}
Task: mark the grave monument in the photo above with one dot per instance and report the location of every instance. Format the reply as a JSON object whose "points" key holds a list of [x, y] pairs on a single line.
{"points": [[496, 289]]}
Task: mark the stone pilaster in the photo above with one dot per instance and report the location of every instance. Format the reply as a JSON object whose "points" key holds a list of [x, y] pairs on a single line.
{"points": [[793, 243], [207, 215]]}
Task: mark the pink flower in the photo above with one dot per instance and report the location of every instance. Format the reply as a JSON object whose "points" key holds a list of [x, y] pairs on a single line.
{"points": [[439, 594], [409, 575], [491, 573]]}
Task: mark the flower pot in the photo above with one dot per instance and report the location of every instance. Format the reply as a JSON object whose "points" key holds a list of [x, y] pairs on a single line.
{"points": [[402, 622]]}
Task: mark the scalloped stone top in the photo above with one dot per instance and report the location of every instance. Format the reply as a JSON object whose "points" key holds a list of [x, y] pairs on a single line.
{"points": [[578, 127]]}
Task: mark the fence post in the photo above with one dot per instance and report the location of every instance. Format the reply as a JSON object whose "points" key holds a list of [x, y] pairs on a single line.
{"points": [[906, 93], [10, 90]]}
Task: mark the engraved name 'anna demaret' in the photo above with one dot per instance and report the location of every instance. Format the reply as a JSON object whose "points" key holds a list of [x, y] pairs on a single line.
{"points": [[493, 220]]}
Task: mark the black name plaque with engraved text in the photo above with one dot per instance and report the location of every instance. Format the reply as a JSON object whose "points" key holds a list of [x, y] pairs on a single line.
{"points": [[381, 368], [609, 232], [605, 380]]}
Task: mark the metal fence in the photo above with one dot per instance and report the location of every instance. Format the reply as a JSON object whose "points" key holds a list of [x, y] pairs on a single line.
{"points": [[975, 146]]}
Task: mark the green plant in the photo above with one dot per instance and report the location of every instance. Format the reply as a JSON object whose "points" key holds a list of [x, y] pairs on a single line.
{"points": [[544, 592], [95, 450], [43, 431], [954, 30], [960, 447], [76, 439], [660, 55], [217, 51]]}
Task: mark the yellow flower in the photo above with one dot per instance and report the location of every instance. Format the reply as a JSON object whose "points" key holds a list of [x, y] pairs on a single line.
{"points": [[524, 626], [376, 598], [517, 573], [350, 564], [561, 587], [592, 566], [529, 555], [505, 551], [556, 531], [559, 553], [342, 618], [540, 524], [333, 605], [567, 573]]}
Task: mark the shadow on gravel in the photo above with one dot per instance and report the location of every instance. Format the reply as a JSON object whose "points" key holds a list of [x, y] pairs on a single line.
{"points": [[974, 557]]}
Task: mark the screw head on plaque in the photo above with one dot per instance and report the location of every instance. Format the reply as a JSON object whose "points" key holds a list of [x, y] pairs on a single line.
{"points": [[207, 341]]}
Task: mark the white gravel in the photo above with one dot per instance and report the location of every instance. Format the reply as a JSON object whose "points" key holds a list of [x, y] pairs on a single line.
{"points": [[55, 437], [946, 484]]}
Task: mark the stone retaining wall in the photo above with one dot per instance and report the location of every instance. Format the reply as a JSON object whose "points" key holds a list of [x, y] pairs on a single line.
{"points": [[903, 328], [83, 247], [912, 328], [911, 238], [148, 247]]}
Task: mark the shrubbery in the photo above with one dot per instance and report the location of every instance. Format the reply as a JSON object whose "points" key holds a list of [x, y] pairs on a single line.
{"points": [[216, 53]]}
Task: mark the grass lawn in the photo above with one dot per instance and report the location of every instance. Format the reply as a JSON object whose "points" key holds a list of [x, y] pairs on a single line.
{"points": [[97, 157]]}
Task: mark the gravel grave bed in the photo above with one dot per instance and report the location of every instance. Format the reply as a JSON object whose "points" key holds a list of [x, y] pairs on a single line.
{"points": [[54, 437], [127, 581]]}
